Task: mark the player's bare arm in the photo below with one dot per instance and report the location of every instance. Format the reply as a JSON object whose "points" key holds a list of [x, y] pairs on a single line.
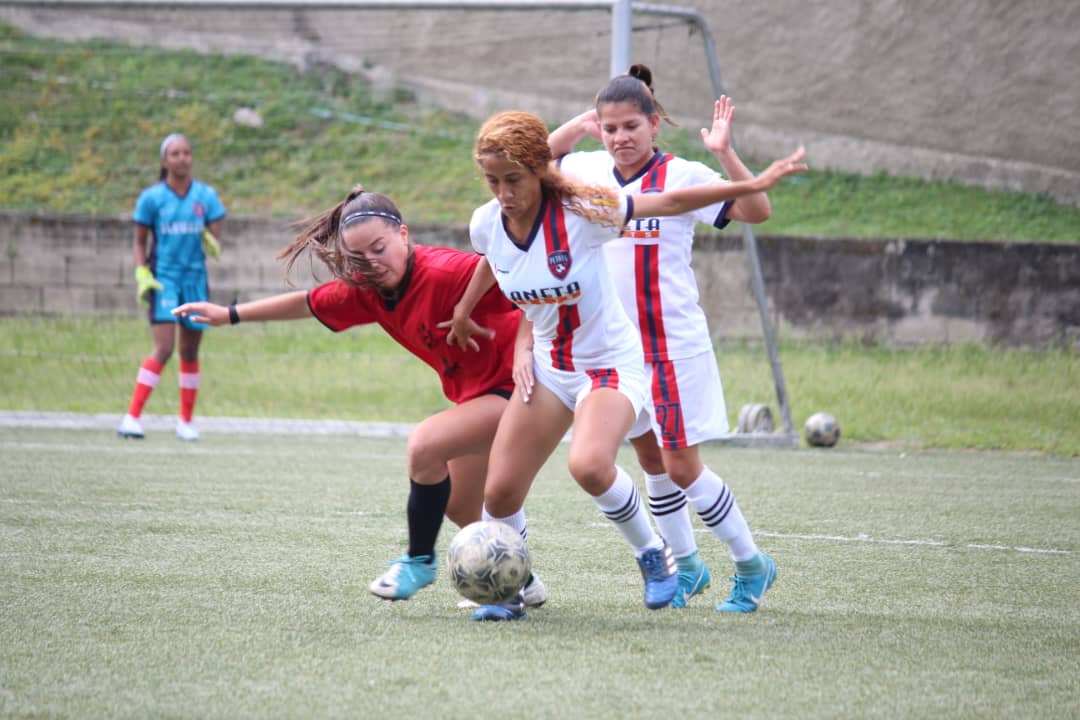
{"points": [[142, 235], [287, 306], [563, 139], [753, 208], [523, 358], [462, 326], [683, 200]]}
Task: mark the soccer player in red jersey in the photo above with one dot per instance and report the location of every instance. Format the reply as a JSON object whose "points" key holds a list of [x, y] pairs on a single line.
{"points": [[381, 277]]}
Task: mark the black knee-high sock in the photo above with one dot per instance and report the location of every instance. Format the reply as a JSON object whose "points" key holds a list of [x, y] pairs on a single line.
{"points": [[425, 510]]}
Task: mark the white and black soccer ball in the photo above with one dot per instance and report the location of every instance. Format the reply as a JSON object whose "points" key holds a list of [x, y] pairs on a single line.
{"points": [[489, 562], [821, 430]]}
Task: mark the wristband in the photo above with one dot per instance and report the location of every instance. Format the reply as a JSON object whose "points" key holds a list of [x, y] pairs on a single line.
{"points": [[234, 317]]}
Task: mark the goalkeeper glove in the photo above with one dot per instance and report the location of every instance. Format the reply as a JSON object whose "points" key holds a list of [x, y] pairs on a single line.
{"points": [[144, 283], [210, 244]]}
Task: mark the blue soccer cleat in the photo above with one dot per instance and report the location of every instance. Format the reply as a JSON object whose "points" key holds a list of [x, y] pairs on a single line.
{"points": [[749, 589], [661, 579], [534, 593], [407, 576], [694, 578], [512, 609]]}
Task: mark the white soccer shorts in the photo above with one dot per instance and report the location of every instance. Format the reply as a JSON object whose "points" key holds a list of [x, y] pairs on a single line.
{"points": [[685, 405]]}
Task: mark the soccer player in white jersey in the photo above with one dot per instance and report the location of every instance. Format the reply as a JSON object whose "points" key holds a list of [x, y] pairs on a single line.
{"points": [[578, 359], [657, 286]]}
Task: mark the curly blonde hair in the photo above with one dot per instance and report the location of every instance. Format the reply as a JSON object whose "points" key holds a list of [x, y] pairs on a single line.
{"points": [[522, 138]]}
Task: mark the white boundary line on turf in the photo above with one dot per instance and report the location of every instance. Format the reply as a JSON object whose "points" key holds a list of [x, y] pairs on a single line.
{"points": [[929, 543], [882, 541], [167, 423]]}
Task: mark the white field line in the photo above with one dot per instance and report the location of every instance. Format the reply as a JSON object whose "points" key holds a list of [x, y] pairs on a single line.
{"points": [[167, 424], [861, 537], [138, 447], [209, 425]]}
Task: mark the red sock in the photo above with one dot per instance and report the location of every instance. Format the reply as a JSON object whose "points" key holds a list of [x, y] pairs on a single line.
{"points": [[189, 388], [147, 380]]}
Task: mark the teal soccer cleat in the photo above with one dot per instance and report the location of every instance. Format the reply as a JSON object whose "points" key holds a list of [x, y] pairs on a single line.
{"points": [[406, 576], [661, 579], [749, 589], [694, 578]]}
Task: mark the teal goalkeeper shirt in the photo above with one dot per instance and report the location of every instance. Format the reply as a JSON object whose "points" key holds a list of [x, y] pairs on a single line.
{"points": [[177, 223]]}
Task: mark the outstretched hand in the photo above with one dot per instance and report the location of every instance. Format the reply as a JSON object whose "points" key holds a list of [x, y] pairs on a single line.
{"points": [[780, 169], [717, 139], [203, 312], [461, 332]]}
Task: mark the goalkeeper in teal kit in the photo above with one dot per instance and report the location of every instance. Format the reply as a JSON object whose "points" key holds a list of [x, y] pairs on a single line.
{"points": [[184, 218]]}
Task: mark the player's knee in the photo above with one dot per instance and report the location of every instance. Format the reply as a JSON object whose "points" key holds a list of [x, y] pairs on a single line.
{"points": [[423, 456], [591, 471], [683, 471], [501, 499]]}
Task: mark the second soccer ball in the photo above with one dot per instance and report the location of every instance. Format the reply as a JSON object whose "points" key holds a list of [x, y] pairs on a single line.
{"points": [[821, 430]]}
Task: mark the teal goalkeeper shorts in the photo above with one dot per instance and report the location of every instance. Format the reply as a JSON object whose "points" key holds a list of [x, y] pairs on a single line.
{"points": [[178, 289]]}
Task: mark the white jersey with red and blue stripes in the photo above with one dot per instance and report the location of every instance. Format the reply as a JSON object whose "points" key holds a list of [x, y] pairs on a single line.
{"points": [[559, 277], [651, 262]]}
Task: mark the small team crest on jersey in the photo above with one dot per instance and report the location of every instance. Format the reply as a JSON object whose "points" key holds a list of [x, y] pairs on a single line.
{"points": [[199, 209], [559, 263]]}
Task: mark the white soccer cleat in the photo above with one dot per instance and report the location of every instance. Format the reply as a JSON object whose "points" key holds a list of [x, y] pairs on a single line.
{"points": [[186, 431], [534, 592], [130, 427]]}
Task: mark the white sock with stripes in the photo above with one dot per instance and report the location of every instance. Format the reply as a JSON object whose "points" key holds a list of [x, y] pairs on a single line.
{"points": [[715, 505], [668, 506], [516, 521], [621, 504]]}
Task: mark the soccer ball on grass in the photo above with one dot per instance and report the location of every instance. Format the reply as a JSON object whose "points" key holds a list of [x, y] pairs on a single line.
{"points": [[489, 562], [821, 430]]}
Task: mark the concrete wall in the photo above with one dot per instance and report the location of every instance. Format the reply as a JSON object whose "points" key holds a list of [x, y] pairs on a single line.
{"points": [[897, 292], [979, 91]]}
